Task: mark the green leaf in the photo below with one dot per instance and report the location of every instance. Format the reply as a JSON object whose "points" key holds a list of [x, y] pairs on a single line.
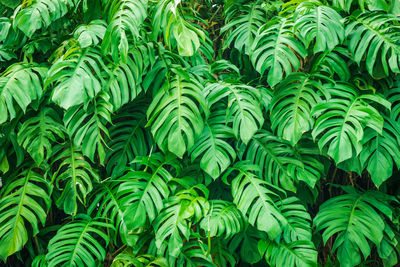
{"points": [[256, 199], [21, 83], [276, 159], [87, 128], [173, 223], [380, 151], [175, 116], [321, 24], [213, 147], [128, 138], [24, 200], [244, 244], [243, 107], [374, 37], [10, 3], [39, 132], [78, 243], [333, 62], [276, 50], [296, 253], [109, 200], [242, 24], [193, 254], [39, 14], [341, 120], [126, 78], [124, 21], [76, 76], [127, 258], [292, 103], [74, 177], [222, 257], [224, 219], [90, 34], [355, 219], [298, 220], [150, 189]]}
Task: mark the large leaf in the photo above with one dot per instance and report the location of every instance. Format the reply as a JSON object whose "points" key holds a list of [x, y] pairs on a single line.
{"points": [[243, 107], [374, 37], [341, 120], [110, 201], [276, 50], [124, 20], [87, 128], [296, 253], [39, 132], [128, 138], [292, 103], [81, 242], [298, 220], [175, 114], [224, 219], [128, 259], [149, 189], [193, 254], [25, 200], [74, 177], [357, 220], [39, 14], [90, 34], [243, 22], [276, 158], [76, 76], [333, 62], [256, 199], [173, 223], [126, 78], [212, 145], [322, 24], [21, 83], [381, 152]]}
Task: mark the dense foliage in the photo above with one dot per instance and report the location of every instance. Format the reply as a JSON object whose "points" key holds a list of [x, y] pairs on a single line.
{"points": [[199, 133]]}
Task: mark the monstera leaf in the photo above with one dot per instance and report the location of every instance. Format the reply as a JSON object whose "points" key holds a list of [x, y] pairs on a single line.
{"points": [[21, 83], [24, 201], [175, 114], [78, 243], [74, 177], [276, 50], [243, 107], [344, 215], [256, 199], [39, 132], [341, 120], [323, 25], [381, 152], [243, 22], [76, 76], [212, 145], [371, 39], [124, 20], [224, 219], [292, 103]]}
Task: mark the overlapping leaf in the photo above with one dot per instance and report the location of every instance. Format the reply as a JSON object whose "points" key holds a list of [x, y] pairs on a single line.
{"points": [[20, 84], [276, 50], [24, 201], [175, 114], [243, 107], [341, 120]]}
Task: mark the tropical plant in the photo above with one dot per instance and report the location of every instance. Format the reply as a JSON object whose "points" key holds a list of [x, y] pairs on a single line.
{"points": [[199, 133]]}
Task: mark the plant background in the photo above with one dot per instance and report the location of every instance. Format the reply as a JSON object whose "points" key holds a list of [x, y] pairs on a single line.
{"points": [[199, 133]]}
